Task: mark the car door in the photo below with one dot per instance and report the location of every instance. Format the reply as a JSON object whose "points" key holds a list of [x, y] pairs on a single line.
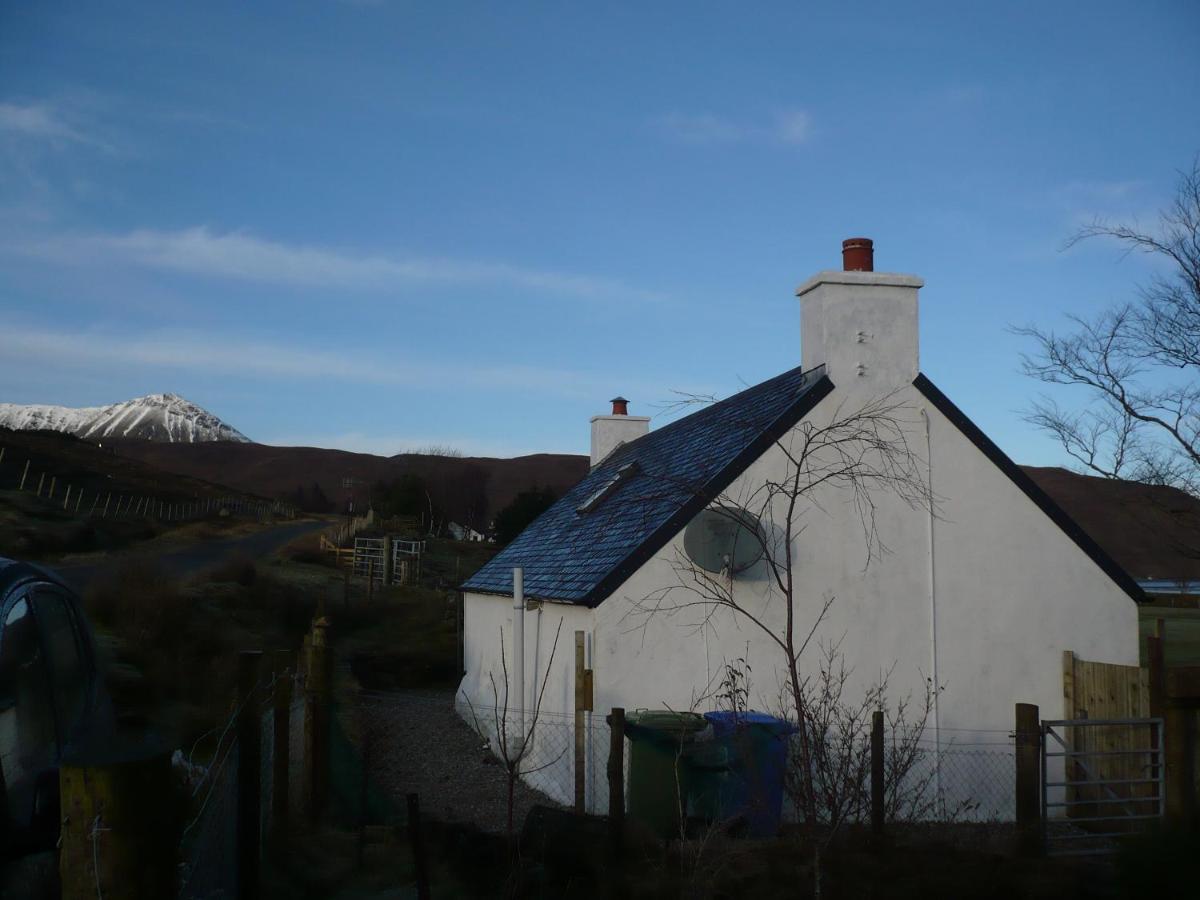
{"points": [[28, 730], [68, 661]]}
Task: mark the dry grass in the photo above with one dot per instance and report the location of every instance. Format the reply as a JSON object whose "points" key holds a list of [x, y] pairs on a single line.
{"points": [[172, 665], [307, 551]]}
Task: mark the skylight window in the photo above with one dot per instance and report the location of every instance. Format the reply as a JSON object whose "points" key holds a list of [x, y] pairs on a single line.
{"points": [[597, 497]]}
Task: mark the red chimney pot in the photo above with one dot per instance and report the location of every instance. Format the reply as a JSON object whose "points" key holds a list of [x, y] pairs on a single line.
{"points": [[858, 255], [620, 406]]}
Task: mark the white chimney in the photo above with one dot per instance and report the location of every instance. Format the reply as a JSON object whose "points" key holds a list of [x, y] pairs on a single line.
{"points": [[610, 432], [861, 324]]}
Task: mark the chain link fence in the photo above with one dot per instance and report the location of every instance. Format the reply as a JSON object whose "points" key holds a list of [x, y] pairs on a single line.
{"points": [[455, 758]]}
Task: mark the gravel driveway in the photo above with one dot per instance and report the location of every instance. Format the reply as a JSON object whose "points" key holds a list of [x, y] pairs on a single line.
{"points": [[421, 745]]}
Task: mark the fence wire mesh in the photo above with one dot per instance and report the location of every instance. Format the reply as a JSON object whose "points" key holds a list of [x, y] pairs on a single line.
{"points": [[489, 769], [455, 757], [208, 847]]}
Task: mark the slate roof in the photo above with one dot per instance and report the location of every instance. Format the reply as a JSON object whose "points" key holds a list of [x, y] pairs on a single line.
{"points": [[677, 470]]}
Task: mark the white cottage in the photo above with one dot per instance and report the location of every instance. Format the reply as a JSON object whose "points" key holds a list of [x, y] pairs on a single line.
{"points": [[982, 597]]}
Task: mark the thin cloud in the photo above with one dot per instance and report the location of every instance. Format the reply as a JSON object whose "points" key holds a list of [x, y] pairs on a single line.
{"points": [[392, 444], [241, 256], [788, 127], [793, 127], [221, 355], [44, 122]]}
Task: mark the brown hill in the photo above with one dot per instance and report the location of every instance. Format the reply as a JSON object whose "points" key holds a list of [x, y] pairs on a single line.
{"points": [[85, 466], [1152, 531], [455, 482]]}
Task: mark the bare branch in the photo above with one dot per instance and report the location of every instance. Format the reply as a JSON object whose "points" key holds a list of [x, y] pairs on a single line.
{"points": [[1137, 365]]}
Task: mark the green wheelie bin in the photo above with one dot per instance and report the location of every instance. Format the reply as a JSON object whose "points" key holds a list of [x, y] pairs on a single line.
{"points": [[660, 772]]}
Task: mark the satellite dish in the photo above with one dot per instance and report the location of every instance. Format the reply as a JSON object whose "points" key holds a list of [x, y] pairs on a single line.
{"points": [[723, 539]]}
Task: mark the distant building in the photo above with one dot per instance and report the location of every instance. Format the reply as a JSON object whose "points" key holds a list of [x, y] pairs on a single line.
{"points": [[464, 533]]}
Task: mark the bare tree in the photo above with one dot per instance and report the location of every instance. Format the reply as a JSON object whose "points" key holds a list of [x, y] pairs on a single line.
{"points": [[858, 456], [1138, 363], [515, 735]]}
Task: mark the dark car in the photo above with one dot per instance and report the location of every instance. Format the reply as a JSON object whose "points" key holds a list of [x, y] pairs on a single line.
{"points": [[51, 698]]}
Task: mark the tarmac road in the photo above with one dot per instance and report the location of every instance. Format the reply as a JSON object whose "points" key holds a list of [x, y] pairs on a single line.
{"points": [[193, 558]]}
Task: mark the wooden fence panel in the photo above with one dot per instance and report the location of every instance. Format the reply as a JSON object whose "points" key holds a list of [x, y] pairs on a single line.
{"points": [[1096, 690]]}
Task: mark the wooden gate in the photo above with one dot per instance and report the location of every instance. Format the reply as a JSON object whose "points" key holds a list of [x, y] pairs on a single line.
{"points": [[1095, 690]]}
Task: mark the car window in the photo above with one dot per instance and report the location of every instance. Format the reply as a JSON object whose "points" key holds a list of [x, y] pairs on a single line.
{"points": [[69, 679], [28, 742]]}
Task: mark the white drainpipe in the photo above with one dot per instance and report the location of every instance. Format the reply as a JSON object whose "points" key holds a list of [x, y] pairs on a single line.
{"points": [[937, 722], [519, 648]]}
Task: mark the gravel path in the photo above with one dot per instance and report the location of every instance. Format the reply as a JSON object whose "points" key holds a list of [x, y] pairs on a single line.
{"points": [[421, 745]]}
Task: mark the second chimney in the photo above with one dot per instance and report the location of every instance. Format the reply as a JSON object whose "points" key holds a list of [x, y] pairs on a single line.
{"points": [[610, 432]]}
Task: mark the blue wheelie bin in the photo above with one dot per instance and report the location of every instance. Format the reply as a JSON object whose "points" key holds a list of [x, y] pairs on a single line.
{"points": [[756, 747]]}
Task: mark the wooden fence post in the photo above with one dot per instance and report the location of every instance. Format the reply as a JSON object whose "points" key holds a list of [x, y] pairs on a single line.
{"points": [[24, 475], [1028, 745], [1182, 704], [67, 499], [616, 781], [316, 721], [53, 482], [249, 775], [581, 706], [877, 795], [107, 500], [119, 835], [78, 501], [41, 483], [281, 752], [387, 560]]}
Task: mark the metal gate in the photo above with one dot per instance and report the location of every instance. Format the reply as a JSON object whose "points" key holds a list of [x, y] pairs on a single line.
{"points": [[368, 558], [1102, 779], [406, 561]]}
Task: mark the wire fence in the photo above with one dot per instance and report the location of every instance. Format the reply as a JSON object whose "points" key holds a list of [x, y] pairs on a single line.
{"points": [[465, 758], [489, 769], [209, 844], [209, 841], [89, 494]]}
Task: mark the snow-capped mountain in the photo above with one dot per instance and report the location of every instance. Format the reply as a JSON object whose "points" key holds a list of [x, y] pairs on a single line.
{"points": [[167, 418]]}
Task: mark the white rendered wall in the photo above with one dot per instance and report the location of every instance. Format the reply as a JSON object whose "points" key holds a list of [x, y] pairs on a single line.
{"points": [[550, 760]]}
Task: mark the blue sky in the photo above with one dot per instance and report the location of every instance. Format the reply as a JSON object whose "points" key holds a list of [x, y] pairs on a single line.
{"points": [[381, 226]]}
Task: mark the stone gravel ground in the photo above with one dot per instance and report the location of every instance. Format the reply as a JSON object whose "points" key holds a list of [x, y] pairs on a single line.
{"points": [[419, 744]]}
